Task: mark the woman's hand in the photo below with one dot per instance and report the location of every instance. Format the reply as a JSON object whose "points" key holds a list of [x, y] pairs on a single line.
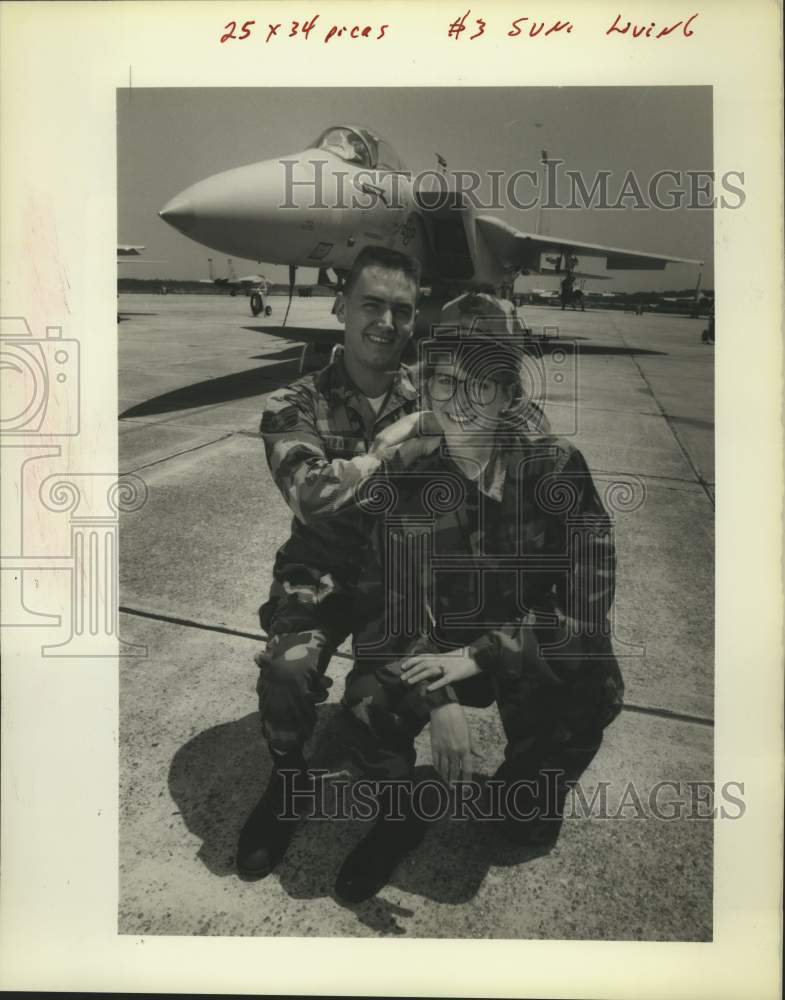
{"points": [[440, 668], [451, 745]]}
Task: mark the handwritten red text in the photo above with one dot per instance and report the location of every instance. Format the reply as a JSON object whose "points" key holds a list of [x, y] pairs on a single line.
{"points": [[620, 27], [302, 29]]}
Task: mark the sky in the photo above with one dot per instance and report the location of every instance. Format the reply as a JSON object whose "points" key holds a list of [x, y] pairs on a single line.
{"points": [[167, 139]]}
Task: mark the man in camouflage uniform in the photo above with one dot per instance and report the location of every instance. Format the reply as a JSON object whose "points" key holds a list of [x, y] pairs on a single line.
{"points": [[497, 561], [324, 436]]}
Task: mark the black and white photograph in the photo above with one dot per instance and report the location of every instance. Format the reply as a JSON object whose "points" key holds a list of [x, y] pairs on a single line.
{"points": [[492, 309], [391, 436]]}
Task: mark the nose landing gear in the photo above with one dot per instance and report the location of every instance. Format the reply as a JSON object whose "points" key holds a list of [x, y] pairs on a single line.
{"points": [[258, 306]]}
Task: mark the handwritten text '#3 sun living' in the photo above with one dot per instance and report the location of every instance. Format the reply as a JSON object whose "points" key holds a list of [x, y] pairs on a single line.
{"points": [[531, 27]]}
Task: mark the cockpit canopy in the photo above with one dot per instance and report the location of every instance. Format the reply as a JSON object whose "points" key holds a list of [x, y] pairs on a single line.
{"points": [[361, 147]]}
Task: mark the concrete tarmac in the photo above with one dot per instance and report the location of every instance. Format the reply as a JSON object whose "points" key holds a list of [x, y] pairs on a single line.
{"points": [[196, 562]]}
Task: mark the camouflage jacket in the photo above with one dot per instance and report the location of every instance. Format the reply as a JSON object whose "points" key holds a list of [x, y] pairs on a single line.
{"points": [[317, 433], [518, 566]]}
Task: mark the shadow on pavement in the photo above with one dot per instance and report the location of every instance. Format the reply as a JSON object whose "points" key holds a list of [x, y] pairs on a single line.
{"points": [[217, 777], [226, 389], [608, 349], [287, 354], [301, 334]]}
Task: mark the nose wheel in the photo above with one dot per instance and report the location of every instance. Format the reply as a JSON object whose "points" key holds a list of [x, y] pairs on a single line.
{"points": [[258, 306]]}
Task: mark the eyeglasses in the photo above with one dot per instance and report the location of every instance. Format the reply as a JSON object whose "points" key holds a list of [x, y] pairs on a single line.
{"points": [[442, 388]]}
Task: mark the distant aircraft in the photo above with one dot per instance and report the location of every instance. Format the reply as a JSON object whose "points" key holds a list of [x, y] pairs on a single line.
{"points": [[232, 281], [256, 286], [270, 211], [128, 253]]}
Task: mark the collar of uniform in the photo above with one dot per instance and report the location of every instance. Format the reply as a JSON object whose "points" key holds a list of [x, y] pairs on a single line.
{"points": [[494, 475], [401, 392], [492, 478]]}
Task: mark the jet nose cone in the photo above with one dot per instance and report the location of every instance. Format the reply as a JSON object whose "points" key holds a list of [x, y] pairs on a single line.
{"points": [[179, 212], [227, 210]]}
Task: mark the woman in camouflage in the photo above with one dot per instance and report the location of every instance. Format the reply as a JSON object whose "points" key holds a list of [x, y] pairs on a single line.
{"points": [[493, 580]]}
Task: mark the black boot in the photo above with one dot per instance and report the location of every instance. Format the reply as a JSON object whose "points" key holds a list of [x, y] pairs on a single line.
{"points": [[543, 808], [369, 866], [265, 837]]}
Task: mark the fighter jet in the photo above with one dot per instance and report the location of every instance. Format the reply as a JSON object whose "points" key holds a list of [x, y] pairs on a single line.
{"points": [[128, 253], [249, 283], [349, 188]]}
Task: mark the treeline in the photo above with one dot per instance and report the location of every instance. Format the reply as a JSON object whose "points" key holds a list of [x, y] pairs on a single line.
{"points": [[179, 286]]}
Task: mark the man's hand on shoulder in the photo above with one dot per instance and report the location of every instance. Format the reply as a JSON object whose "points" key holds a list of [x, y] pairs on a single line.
{"points": [[409, 437]]}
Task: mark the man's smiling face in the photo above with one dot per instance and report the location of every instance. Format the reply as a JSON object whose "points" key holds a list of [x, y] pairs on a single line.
{"points": [[378, 314]]}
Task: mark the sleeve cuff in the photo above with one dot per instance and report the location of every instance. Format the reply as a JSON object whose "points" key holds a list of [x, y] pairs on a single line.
{"points": [[482, 651], [422, 702]]}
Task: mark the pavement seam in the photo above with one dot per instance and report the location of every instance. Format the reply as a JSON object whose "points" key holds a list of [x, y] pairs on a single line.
{"points": [[688, 458], [667, 713], [169, 619], [182, 414], [661, 713], [159, 616], [177, 454], [659, 481]]}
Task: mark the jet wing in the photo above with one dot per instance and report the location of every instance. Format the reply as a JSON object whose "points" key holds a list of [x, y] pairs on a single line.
{"points": [[522, 251]]}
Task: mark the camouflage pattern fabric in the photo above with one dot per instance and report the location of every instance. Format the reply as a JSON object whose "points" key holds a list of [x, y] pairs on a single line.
{"points": [[316, 433], [303, 633], [518, 567]]}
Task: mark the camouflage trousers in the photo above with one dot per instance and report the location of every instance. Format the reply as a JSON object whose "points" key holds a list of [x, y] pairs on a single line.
{"points": [[303, 634], [546, 755]]}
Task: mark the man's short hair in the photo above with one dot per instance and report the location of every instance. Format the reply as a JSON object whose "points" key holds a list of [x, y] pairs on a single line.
{"points": [[391, 260]]}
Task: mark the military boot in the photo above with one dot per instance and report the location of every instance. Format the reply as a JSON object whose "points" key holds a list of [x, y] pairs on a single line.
{"points": [[267, 833], [369, 866]]}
